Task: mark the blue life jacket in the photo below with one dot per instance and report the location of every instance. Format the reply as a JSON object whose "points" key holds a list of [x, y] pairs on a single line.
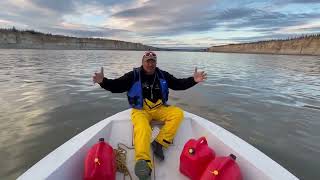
{"points": [[135, 97]]}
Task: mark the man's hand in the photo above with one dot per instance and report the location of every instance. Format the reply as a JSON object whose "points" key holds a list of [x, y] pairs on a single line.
{"points": [[199, 76], [98, 77]]}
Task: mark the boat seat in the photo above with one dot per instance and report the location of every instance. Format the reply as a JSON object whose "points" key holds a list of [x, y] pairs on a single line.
{"points": [[156, 123]]}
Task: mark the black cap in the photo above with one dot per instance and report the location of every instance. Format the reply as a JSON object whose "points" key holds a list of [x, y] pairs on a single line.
{"points": [[101, 139]]}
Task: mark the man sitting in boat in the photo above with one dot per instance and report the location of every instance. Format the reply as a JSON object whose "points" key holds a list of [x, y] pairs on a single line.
{"points": [[147, 89]]}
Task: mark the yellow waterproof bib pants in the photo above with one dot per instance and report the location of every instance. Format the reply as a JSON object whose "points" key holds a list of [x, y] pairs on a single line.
{"points": [[170, 115]]}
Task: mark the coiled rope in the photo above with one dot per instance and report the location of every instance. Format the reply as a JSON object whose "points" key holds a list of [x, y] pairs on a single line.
{"points": [[121, 157]]}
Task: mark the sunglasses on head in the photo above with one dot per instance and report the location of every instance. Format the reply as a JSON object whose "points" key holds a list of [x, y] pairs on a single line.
{"points": [[150, 54]]}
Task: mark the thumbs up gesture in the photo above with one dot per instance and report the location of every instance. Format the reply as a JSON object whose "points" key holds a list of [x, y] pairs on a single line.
{"points": [[98, 77]]}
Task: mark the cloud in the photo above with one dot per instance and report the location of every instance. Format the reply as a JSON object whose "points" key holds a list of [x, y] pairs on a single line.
{"points": [[304, 1], [167, 17], [70, 6], [153, 19], [5, 22], [60, 6], [52, 16], [235, 13], [311, 26], [86, 31], [25, 14], [158, 21], [265, 21]]}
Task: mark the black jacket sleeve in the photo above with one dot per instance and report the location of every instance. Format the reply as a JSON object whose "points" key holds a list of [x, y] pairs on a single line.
{"points": [[178, 84], [118, 85]]}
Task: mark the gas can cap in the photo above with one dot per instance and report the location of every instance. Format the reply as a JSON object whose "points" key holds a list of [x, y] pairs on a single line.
{"points": [[233, 156]]}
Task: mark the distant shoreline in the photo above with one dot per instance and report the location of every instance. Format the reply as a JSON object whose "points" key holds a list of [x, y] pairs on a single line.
{"points": [[169, 50], [29, 39], [261, 53], [307, 45], [160, 49]]}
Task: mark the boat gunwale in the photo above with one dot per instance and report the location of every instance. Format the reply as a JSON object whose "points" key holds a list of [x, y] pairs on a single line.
{"points": [[68, 149]]}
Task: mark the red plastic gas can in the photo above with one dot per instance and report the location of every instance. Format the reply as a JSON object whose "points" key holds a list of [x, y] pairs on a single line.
{"points": [[195, 157], [222, 168], [100, 163]]}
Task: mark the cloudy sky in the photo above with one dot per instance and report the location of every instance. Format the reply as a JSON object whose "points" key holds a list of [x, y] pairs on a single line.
{"points": [[166, 23]]}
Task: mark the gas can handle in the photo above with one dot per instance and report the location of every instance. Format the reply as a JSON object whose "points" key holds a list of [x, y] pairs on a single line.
{"points": [[201, 141]]}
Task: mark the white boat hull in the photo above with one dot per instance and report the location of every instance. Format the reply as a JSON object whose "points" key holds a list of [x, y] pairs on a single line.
{"points": [[67, 161]]}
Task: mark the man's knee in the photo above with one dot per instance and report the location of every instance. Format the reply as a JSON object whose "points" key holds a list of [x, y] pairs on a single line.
{"points": [[177, 113]]}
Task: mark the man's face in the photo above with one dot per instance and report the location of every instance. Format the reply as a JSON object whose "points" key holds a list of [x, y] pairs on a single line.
{"points": [[149, 65]]}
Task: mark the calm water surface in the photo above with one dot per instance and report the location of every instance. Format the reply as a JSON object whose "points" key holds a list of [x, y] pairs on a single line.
{"points": [[270, 101]]}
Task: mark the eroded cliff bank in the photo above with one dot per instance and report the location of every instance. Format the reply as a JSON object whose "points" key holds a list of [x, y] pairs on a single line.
{"points": [[34, 40], [299, 46]]}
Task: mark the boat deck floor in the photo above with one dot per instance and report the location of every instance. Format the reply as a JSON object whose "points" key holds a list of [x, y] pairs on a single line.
{"points": [[122, 132]]}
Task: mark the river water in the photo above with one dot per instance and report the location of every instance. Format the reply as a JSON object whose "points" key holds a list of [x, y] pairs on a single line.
{"points": [[270, 101]]}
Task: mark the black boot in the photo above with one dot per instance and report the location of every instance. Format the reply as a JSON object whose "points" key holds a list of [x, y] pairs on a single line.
{"points": [[157, 150], [142, 170]]}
